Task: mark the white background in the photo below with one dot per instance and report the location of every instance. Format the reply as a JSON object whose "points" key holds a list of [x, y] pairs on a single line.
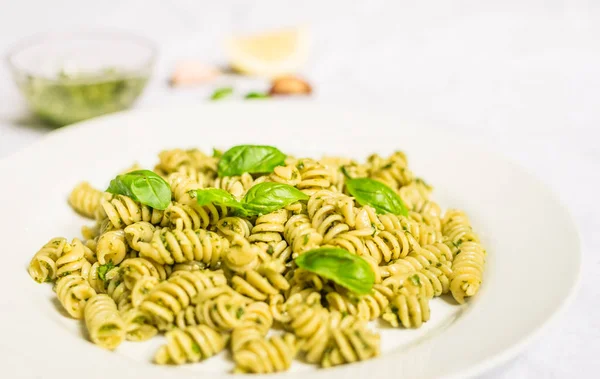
{"points": [[522, 77]]}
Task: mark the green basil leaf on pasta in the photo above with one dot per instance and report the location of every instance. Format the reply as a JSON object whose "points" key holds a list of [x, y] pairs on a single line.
{"points": [[144, 186], [253, 159], [339, 265], [376, 194], [216, 196], [268, 197]]}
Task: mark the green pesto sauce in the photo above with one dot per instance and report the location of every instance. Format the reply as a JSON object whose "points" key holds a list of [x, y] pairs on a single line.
{"points": [[74, 97], [108, 328]]}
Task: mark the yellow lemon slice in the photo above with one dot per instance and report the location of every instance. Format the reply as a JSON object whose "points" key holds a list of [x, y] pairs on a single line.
{"points": [[269, 54]]}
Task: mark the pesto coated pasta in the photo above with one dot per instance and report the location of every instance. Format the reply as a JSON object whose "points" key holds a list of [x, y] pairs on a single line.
{"points": [[104, 323], [271, 257]]}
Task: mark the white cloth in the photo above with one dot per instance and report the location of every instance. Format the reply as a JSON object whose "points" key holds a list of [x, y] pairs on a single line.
{"points": [[523, 76]]}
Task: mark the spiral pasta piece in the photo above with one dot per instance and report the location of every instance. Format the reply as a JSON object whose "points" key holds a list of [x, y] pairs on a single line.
{"points": [[244, 334], [467, 270], [85, 200], [189, 266], [183, 188], [132, 269], [94, 279], [103, 322], [176, 293], [422, 233], [269, 228], [304, 282], [234, 228], [387, 246], [255, 322], [469, 255], [169, 246], [42, 267], [257, 315], [288, 174], [171, 160], [279, 251], [91, 234], [393, 171], [197, 217], [416, 198], [73, 292], [311, 325], [418, 259], [366, 307], [313, 176], [351, 343], [223, 312], [73, 260], [117, 290], [325, 217], [410, 306], [457, 229], [434, 222], [138, 325], [138, 233], [242, 257], [414, 193], [262, 283], [189, 345], [142, 287], [264, 356], [439, 276], [111, 247], [236, 185], [191, 162], [122, 211], [300, 234], [334, 166]]}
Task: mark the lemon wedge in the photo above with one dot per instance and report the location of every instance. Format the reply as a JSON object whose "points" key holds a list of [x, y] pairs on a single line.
{"points": [[269, 54]]}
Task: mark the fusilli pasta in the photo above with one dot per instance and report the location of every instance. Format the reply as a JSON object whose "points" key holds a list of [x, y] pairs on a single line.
{"points": [[211, 277], [104, 324]]}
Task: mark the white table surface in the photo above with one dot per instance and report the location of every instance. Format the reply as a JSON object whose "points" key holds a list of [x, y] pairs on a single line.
{"points": [[521, 76]]}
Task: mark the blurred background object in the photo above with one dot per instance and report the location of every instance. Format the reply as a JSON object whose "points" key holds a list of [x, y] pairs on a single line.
{"points": [[269, 54], [70, 77], [192, 73]]}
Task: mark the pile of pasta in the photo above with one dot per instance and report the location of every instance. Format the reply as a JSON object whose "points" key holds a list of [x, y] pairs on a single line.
{"points": [[212, 280]]}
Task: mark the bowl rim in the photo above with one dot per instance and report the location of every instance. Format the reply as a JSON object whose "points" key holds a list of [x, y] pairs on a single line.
{"points": [[106, 34]]}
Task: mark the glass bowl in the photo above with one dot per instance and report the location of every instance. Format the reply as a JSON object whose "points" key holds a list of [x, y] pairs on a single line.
{"points": [[69, 77]]}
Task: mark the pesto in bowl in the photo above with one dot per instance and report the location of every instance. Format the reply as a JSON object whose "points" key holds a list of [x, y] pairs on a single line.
{"points": [[75, 97], [70, 77]]}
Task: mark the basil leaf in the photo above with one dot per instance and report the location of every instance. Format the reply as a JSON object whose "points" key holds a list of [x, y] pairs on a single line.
{"points": [[268, 197], [221, 93], [253, 159], [376, 194], [216, 196], [256, 95], [261, 199], [217, 153], [144, 186], [339, 265]]}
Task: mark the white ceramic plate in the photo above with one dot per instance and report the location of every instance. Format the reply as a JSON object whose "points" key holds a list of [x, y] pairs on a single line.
{"points": [[533, 246]]}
